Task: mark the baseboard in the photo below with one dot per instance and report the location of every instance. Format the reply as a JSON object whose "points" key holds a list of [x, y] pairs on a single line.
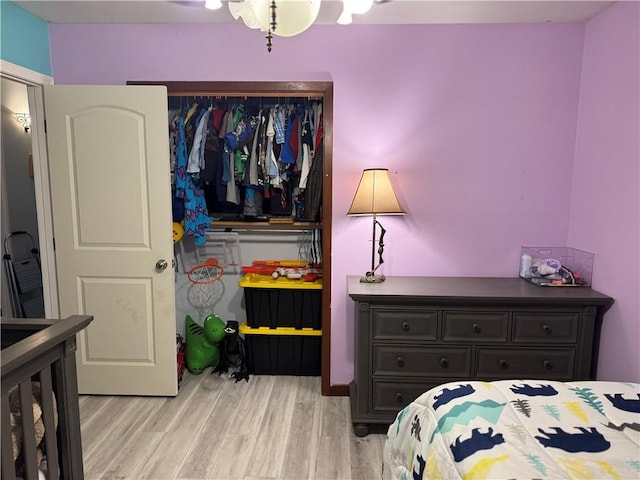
{"points": [[338, 391]]}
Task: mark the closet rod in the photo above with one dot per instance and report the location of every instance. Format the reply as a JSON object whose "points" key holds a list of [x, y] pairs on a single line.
{"points": [[245, 95]]}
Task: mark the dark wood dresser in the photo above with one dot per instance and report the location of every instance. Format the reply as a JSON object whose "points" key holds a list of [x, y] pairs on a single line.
{"points": [[413, 333]]}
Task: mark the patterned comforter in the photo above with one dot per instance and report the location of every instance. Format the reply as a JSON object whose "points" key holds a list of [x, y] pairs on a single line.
{"points": [[517, 429]]}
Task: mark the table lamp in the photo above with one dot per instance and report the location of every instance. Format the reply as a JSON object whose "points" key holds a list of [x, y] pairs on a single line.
{"points": [[375, 196]]}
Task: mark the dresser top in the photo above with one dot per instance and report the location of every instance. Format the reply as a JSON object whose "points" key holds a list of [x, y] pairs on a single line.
{"points": [[472, 288]]}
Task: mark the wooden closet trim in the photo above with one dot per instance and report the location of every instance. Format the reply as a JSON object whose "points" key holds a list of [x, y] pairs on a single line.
{"points": [[313, 90]]}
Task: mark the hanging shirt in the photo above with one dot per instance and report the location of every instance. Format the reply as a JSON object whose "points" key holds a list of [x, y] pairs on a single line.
{"points": [[253, 157], [233, 195], [312, 119], [287, 155], [205, 130], [307, 141], [317, 134], [196, 156], [279, 124], [271, 157], [196, 219], [300, 114], [192, 111], [228, 178]]}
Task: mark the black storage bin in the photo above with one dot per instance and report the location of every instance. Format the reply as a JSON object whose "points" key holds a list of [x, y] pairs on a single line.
{"points": [[282, 351], [282, 302]]}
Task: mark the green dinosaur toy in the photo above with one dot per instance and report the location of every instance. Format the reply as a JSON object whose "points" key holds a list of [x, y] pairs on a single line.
{"points": [[202, 348]]}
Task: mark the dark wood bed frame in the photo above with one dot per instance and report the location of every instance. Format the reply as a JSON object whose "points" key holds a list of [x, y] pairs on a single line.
{"points": [[42, 350]]}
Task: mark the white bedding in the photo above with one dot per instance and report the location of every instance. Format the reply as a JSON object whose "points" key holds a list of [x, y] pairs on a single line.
{"points": [[517, 429]]}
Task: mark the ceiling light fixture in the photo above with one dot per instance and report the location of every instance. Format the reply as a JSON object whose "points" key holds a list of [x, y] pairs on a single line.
{"points": [[350, 7], [213, 4], [284, 18]]}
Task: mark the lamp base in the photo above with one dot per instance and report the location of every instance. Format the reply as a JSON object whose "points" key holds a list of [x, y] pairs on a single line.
{"points": [[372, 278]]}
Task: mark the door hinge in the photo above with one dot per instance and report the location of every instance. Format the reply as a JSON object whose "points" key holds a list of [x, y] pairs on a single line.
{"points": [[54, 244], [45, 125]]}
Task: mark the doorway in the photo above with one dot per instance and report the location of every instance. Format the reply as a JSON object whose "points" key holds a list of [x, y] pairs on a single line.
{"points": [[18, 190], [27, 98], [323, 90]]}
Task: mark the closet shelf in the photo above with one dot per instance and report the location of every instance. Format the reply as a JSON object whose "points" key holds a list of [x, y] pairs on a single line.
{"points": [[239, 225]]}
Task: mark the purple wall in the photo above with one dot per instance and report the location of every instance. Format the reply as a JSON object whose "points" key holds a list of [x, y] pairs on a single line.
{"points": [[605, 203], [476, 122]]}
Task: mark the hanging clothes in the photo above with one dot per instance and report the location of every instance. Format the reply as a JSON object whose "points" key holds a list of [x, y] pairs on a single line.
{"points": [[287, 155], [248, 159], [279, 124], [228, 176], [196, 219], [297, 146], [211, 174], [272, 160], [313, 193], [196, 155], [307, 144], [254, 156]]}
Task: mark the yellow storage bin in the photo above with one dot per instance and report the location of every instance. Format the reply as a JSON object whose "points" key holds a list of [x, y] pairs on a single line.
{"points": [[255, 280], [282, 302]]}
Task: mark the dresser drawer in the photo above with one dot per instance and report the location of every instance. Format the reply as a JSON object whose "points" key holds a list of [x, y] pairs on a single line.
{"points": [[550, 364], [393, 396], [547, 327], [414, 324], [421, 360], [475, 326]]}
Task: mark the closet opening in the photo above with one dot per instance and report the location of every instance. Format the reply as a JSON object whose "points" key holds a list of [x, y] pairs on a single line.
{"points": [[283, 210]]}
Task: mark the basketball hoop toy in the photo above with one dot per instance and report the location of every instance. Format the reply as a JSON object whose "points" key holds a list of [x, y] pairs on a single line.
{"points": [[205, 289]]}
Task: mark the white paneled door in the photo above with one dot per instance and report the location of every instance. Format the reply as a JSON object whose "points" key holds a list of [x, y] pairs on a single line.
{"points": [[108, 153]]}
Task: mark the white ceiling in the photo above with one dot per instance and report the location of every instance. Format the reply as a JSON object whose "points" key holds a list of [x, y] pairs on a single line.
{"points": [[385, 12]]}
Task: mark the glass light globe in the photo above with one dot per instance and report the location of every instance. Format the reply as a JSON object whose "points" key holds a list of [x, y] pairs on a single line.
{"points": [[244, 10], [292, 16], [358, 6]]}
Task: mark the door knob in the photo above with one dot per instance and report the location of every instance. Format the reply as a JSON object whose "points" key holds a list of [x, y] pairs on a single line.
{"points": [[161, 264]]}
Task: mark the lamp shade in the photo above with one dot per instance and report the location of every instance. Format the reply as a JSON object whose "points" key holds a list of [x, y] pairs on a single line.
{"points": [[375, 195]]}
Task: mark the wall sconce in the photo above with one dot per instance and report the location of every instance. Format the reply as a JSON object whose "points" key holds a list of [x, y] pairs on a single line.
{"points": [[375, 196], [24, 119]]}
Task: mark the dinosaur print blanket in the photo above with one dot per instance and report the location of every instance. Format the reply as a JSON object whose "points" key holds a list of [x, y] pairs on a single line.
{"points": [[517, 429]]}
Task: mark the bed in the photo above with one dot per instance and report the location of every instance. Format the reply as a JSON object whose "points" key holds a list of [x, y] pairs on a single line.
{"points": [[40, 422], [517, 429]]}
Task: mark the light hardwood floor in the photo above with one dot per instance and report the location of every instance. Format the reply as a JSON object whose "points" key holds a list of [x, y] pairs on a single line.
{"points": [[273, 427]]}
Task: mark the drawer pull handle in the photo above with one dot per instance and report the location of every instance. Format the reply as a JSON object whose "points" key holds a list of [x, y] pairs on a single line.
{"points": [[503, 364], [546, 329], [444, 362], [476, 328], [399, 397], [405, 326], [400, 361], [548, 364]]}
